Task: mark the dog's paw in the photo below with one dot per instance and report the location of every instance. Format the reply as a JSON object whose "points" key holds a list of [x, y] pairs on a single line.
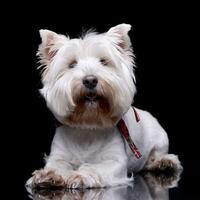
{"points": [[75, 181], [82, 181], [166, 163], [45, 179]]}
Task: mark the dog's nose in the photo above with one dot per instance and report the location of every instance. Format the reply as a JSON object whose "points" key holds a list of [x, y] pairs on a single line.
{"points": [[90, 81]]}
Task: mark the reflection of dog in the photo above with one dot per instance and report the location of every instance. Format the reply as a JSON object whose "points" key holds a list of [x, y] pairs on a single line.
{"points": [[148, 188], [88, 85]]}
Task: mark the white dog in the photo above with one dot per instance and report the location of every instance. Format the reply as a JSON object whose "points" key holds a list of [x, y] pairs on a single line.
{"points": [[88, 85]]}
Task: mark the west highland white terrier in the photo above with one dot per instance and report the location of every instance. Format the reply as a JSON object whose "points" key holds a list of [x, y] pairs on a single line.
{"points": [[88, 84]]}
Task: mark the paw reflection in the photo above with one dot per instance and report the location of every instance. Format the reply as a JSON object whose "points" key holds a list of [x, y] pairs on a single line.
{"points": [[148, 186]]}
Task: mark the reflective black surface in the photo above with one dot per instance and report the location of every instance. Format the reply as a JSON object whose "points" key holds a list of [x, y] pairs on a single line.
{"points": [[145, 187]]}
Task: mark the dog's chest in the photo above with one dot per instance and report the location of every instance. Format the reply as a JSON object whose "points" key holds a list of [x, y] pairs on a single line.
{"points": [[89, 145]]}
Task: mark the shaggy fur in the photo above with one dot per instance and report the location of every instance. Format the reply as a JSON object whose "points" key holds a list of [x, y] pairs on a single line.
{"points": [[88, 150]]}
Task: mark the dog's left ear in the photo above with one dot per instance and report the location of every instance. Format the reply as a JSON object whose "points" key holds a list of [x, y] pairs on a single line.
{"points": [[120, 35]]}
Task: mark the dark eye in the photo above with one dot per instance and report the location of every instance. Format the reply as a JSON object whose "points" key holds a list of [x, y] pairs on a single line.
{"points": [[72, 64], [104, 61]]}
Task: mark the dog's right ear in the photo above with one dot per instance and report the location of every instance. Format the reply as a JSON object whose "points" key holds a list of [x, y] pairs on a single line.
{"points": [[51, 43]]}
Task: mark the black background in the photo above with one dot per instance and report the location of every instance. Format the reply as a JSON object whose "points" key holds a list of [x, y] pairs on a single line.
{"points": [[163, 38]]}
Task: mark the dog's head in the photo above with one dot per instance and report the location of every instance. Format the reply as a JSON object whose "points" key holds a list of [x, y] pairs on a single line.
{"points": [[88, 82]]}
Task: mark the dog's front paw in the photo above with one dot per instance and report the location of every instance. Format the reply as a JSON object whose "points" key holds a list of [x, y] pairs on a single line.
{"points": [[45, 179], [82, 181], [75, 181]]}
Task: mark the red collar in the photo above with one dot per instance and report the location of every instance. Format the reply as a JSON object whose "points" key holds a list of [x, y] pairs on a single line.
{"points": [[125, 133]]}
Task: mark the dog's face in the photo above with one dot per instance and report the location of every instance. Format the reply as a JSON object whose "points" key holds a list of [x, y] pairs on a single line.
{"points": [[88, 82]]}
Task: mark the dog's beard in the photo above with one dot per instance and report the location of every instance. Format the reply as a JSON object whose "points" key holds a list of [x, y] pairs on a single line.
{"points": [[94, 108]]}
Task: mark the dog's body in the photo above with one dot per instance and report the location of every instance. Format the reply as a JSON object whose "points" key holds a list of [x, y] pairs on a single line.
{"points": [[89, 92]]}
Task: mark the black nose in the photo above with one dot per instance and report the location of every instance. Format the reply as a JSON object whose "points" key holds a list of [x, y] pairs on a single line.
{"points": [[90, 82]]}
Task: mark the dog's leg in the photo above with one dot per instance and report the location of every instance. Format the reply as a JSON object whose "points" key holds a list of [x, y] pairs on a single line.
{"points": [[52, 175], [107, 173], [156, 143]]}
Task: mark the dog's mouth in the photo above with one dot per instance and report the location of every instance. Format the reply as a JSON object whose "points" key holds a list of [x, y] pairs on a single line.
{"points": [[93, 108], [91, 97]]}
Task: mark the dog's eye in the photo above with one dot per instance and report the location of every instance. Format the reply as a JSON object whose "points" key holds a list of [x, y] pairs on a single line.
{"points": [[72, 64], [104, 61]]}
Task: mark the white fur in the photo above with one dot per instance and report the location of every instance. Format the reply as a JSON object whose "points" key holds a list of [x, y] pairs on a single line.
{"points": [[58, 78], [98, 155]]}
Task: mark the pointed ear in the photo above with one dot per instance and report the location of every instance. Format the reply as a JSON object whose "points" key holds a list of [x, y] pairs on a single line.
{"points": [[51, 43], [120, 35]]}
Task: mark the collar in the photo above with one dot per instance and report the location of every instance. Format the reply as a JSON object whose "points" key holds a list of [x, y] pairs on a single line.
{"points": [[125, 133]]}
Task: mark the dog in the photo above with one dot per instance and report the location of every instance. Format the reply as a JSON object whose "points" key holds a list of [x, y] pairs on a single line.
{"points": [[89, 85]]}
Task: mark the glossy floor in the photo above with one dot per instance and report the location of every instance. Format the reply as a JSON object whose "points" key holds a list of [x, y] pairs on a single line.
{"points": [[145, 187]]}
